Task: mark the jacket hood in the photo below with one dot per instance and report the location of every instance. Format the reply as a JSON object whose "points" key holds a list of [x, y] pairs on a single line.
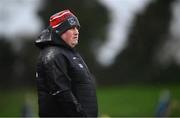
{"points": [[49, 38]]}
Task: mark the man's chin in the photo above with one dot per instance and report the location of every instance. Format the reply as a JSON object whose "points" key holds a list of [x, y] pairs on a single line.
{"points": [[74, 44]]}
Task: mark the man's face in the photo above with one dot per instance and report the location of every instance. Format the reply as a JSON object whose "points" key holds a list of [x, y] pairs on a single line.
{"points": [[71, 37]]}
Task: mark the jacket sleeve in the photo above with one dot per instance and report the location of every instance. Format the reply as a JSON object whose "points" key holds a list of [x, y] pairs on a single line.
{"points": [[59, 85]]}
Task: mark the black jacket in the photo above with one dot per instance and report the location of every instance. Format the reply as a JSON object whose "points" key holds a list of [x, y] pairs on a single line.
{"points": [[65, 85]]}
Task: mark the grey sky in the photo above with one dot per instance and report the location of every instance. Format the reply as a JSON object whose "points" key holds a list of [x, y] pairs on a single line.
{"points": [[18, 18], [122, 14]]}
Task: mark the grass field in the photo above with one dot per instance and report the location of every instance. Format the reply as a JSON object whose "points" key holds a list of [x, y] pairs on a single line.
{"points": [[113, 101], [136, 100]]}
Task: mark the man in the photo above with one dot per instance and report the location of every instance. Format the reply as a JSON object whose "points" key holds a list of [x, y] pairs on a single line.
{"points": [[65, 84]]}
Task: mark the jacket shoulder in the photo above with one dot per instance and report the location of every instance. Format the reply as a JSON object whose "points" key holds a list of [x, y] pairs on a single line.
{"points": [[49, 54]]}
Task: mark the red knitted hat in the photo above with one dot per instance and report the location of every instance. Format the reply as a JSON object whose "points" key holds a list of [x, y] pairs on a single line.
{"points": [[63, 21]]}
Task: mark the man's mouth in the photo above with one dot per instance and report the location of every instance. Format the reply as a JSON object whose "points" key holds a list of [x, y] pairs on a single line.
{"points": [[75, 37]]}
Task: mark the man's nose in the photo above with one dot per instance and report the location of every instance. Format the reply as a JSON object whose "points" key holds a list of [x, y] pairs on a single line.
{"points": [[76, 30]]}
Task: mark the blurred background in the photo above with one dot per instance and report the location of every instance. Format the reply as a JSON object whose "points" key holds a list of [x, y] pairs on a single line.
{"points": [[131, 46]]}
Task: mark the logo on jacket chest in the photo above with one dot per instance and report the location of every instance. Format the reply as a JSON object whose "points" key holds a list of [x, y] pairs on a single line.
{"points": [[79, 64]]}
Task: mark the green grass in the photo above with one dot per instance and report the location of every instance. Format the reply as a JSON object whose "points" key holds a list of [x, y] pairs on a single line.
{"points": [[11, 102], [135, 100], [113, 101]]}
